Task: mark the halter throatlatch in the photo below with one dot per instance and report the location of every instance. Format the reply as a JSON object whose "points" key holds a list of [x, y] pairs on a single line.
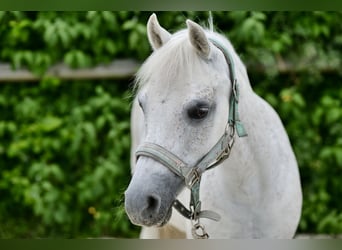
{"points": [[218, 153]]}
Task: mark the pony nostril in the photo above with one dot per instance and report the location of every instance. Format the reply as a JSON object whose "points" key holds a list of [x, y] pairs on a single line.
{"points": [[153, 203], [151, 210]]}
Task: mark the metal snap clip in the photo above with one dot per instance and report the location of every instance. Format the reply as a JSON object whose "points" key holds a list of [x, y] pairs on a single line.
{"points": [[198, 231]]}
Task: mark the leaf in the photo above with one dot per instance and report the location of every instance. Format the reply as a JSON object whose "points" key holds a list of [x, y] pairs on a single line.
{"points": [[129, 24], [133, 39], [50, 35], [333, 115], [51, 123]]}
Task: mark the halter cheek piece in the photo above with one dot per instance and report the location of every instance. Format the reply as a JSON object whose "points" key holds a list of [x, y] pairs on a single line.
{"points": [[217, 154]]}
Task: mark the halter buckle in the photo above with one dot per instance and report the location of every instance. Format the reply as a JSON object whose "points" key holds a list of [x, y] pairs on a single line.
{"points": [[192, 177], [226, 149], [224, 154], [235, 90]]}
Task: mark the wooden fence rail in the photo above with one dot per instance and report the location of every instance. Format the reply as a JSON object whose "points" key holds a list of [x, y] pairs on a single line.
{"points": [[118, 69], [126, 68]]}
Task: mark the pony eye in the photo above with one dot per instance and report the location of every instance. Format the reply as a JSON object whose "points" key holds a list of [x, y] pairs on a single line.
{"points": [[198, 111]]}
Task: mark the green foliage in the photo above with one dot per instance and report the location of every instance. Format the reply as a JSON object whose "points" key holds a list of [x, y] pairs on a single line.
{"points": [[80, 39], [64, 158], [64, 152]]}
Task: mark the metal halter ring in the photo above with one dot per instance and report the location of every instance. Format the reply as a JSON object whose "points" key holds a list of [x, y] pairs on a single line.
{"points": [[198, 231]]}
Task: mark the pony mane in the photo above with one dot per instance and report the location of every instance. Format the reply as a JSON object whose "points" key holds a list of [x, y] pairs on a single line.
{"points": [[178, 58]]}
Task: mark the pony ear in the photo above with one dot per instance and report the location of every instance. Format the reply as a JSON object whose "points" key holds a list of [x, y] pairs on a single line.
{"points": [[157, 35], [198, 39]]}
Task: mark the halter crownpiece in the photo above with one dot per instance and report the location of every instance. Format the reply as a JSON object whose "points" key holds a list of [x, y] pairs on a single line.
{"points": [[217, 154], [233, 118]]}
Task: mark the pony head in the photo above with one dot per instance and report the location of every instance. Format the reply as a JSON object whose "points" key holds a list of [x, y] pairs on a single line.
{"points": [[182, 104]]}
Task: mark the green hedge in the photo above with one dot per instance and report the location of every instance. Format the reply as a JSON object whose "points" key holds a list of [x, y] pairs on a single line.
{"points": [[64, 159], [64, 151]]}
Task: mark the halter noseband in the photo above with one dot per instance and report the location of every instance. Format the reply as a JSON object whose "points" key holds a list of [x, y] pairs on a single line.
{"points": [[217, 154]]}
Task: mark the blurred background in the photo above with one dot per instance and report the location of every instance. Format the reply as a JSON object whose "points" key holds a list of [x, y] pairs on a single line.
{"points": [[65, 97]]}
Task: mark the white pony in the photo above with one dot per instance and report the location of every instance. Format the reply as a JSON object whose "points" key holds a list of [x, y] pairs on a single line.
{"points": [[193, 97]]}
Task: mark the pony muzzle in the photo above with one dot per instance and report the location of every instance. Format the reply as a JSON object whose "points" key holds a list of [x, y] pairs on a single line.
{"points": [[144, 209]]}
